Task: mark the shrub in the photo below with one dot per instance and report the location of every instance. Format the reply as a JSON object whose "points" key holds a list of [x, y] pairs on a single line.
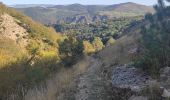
{"points": [[111, 41]]}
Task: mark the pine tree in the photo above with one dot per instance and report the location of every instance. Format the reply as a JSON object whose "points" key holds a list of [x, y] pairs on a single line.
{"points": [[156, 40]]}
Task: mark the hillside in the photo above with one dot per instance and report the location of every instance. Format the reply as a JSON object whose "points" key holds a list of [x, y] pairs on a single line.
{"points": [[77, 13], [130, 8], [23, 30], [31, 53], [24, 46]]}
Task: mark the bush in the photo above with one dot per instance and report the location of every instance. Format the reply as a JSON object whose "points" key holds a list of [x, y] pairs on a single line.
{"points": [[110, 42]]}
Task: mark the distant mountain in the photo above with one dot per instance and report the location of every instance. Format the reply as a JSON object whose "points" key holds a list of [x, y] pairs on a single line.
{"points": [[30, 5], [130, 8], [77, 13]]}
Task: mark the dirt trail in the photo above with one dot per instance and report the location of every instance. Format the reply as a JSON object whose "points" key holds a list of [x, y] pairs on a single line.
{"points": [[85, 81], [91, 85]]}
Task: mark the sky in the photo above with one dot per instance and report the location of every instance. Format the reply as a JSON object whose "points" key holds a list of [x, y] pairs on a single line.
{"points": [[86, 2]]}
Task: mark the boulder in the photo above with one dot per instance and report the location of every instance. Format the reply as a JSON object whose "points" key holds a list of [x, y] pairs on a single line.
{"points": [[130, 77], [165, 81], [138, 98], [166, 94], [165, 76]]}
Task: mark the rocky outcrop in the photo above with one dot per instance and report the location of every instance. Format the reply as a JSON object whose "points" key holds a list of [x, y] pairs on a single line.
{"points": [[140, 83], [9, 28], [130, 77]]}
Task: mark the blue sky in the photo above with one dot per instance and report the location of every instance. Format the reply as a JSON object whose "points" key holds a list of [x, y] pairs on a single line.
{"points": [[105, 2]]}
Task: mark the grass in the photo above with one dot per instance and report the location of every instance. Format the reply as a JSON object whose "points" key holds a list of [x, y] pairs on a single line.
{"points": [[119, 52], [9, 52], [21, 74], [59, 86]]}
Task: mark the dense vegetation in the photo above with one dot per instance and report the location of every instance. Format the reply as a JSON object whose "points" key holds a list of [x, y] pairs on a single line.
{"points": [[103, 29], [156, 40]]}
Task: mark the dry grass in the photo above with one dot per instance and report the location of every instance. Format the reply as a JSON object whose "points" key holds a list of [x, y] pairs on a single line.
{"points": [[57, 88], [9, 51], [153, 91], [119, 52]]}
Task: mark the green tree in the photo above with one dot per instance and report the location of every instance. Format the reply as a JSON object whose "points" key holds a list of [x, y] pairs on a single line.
{"points": [[156, 40], [70, 51]]}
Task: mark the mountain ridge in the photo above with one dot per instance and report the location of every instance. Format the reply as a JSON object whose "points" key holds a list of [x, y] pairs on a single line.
{"points": [[39, 5], [78, 13]]}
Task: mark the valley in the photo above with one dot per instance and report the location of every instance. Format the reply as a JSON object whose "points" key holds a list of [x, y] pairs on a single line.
{"points": [[85, 52]]}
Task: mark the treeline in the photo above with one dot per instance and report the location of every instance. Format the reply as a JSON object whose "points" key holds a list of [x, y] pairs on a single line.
{"points": [[72, 49], [156, 40]]}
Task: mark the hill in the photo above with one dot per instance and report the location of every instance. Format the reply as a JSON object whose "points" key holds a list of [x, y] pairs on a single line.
{"points": [[26, 48], [130, 7], [77, 13]]}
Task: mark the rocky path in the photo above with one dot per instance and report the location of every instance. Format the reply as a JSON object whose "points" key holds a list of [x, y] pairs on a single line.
{"points": [[91, 85]]}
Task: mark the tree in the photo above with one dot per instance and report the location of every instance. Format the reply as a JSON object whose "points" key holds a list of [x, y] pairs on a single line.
{"points": [[98, 44], [70, 51], [156, 40], [88, 47]]}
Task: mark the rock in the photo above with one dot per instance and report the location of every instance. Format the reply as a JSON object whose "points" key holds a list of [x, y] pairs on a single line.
{"points": [[165, 81], [165, 71], [165, 78], [130, 77], [166, 94], [138, 98], [165, 74]]}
